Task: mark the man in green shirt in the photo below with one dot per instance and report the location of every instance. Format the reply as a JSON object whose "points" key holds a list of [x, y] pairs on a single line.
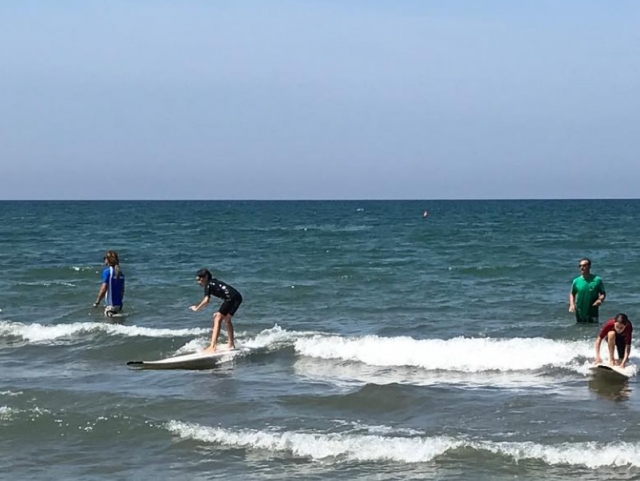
{"points": [[587, 294]]}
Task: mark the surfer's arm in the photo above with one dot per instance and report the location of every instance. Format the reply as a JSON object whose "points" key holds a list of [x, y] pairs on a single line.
{"points": [[101, 294], [598, 343], [627, 351], [203, 303]]}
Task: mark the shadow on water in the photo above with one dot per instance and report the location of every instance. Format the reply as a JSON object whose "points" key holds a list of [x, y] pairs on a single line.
{"points": [[614, 390]]}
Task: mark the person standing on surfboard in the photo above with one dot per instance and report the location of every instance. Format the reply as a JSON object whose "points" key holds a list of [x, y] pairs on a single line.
{"points": [[112, 287], [231, 300], [587, 294], [618, 332]]}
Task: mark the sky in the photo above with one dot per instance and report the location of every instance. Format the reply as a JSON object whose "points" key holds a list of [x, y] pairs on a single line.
{"points": [[448, 99]]}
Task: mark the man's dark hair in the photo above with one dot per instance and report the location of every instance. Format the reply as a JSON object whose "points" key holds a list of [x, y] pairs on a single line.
{"points": [[204, 274]]}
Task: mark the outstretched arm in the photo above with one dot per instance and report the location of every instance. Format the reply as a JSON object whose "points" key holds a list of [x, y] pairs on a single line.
{"points": [[203, 303]]}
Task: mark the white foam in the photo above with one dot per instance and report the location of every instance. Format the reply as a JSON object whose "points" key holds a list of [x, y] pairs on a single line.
{"points": [[344, 447], [194, 345], [457, 354], [380, 429], [350, 375], [591, 455], [276, 337], [81, 268], [273, 338], [321, 446], [11, 393], [40, 333], [6, 413]]}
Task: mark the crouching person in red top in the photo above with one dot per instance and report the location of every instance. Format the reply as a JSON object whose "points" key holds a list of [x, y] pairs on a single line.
{"points": [[617, 331]]}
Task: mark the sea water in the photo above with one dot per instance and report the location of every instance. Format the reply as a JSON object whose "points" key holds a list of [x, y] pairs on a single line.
{"points": [[380, 343]]}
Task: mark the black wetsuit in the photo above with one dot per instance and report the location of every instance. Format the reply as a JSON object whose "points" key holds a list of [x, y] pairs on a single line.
{"points": [[231, 297]]}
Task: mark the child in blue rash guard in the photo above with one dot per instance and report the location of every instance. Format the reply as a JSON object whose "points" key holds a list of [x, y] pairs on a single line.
{"points": [[231, 300], [112, 287]]}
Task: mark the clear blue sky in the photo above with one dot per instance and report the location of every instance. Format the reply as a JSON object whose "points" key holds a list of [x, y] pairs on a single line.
{"points": [[448, 99]]}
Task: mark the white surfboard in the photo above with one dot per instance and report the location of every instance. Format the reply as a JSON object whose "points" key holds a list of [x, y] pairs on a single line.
{"points": [[613, 372], [196, 360]]}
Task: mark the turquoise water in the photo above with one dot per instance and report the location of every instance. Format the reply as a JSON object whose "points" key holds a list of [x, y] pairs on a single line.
{"points": [[377, 344]]}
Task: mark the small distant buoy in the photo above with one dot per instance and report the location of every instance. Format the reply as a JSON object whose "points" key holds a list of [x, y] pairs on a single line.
{"points": [[425, 214]]}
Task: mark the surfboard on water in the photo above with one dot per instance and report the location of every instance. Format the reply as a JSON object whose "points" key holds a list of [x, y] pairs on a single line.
{"points": [[613, 372], [196, 360]]}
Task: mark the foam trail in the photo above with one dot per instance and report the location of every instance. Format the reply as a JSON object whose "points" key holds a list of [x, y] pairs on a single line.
{"points": [[344, 447], [457, 354], [39, 333]]}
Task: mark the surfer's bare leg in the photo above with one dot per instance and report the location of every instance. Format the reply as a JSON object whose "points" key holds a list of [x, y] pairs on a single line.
{"points": [[217, 317], [231, 343], [611, 344]]}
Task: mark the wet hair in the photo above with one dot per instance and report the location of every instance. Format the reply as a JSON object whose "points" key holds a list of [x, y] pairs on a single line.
{"points": [[204, 274], [111, 258], [621, 317], [585, 259]]}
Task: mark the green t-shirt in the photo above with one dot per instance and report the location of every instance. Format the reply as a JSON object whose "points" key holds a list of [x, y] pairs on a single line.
{"points": [[586, 292]]}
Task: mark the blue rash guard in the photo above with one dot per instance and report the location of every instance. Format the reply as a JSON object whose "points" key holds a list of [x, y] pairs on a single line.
{"points": [[115, 286]]}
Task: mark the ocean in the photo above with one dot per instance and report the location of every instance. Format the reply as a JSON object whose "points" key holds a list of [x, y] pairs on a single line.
{"points": [[377, 343]]}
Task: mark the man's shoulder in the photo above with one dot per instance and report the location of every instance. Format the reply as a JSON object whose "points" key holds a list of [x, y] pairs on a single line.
{"points": [[578, 280]]}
